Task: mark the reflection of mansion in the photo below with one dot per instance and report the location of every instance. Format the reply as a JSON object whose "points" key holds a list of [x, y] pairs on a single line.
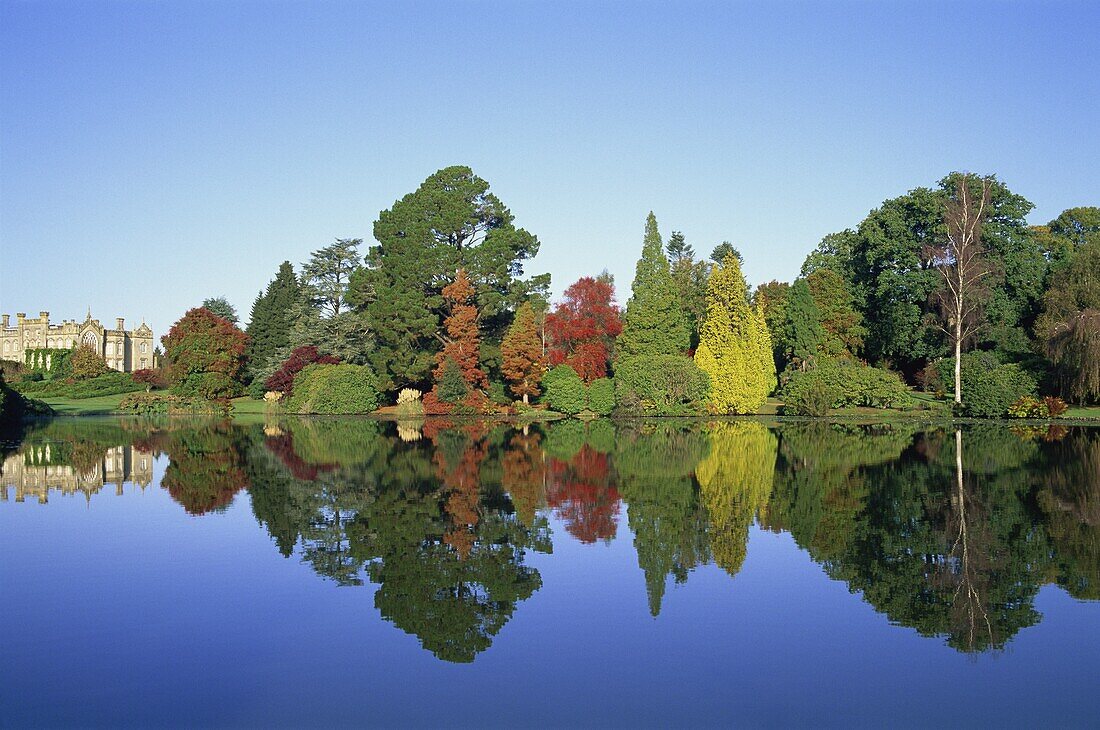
{"points": [[30, 473], [125, 350]]}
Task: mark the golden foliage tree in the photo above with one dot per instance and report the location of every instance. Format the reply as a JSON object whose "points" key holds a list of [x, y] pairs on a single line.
{"points": [[735, 348]]}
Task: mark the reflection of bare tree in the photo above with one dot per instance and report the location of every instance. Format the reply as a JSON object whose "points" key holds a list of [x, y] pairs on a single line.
{"points": [[967, 608]]}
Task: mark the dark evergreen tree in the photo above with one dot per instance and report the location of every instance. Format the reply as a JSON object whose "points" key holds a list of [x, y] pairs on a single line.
{"points": [[451, 221], [270, 321], [800, 335], [654, 322]]}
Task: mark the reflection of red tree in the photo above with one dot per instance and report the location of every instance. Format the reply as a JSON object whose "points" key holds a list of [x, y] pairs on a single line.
{"points": [[460, 473], [205, 469], [282, 446], [523, 475], [581, 494]]}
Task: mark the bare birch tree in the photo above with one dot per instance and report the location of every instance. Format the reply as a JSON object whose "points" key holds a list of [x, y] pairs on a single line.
{"points": [[960, 258]]}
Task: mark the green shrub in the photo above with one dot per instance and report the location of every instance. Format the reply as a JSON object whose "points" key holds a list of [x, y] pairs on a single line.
{"points": [[334, 389], [843, 384], [452, 387], [661, 385], [988, 392], [14, 406], [809, 396], [148, 404], [601, 396], [564, 391]]}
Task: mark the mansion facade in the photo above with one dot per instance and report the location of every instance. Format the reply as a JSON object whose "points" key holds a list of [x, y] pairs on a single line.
{"points": [[124, 350]]}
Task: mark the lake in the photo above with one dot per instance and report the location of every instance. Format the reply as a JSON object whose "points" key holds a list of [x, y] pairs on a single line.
{"points": [[310, 573]]}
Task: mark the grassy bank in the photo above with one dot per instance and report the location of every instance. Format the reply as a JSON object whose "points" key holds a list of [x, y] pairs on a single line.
{"points": [[97, 406], [251, 409]]}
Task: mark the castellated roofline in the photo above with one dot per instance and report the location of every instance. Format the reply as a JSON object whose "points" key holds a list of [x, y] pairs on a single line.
{"points": [[124, 350]]}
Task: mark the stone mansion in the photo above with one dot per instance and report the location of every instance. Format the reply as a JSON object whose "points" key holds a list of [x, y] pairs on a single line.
{"points": [[123, 349]]}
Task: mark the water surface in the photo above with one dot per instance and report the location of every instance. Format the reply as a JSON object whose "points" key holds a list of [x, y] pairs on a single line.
{"points": [[320, 572]]}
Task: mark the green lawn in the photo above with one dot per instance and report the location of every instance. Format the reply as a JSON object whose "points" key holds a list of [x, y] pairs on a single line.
{"points": [[1083, 412], [249, 406], [98, 406]]}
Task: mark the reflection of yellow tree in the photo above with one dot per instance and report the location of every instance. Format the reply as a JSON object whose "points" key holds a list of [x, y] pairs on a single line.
{"points": [[735, 480]]}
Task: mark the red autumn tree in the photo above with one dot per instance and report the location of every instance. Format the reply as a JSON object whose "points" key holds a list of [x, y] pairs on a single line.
{"points": [[205, 355], [151, 379], [282, 380], [523, 359], [583, 326], [463, 342]]}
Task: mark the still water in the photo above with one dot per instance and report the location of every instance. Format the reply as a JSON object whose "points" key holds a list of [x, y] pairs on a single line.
{"points": [[313, 573]]}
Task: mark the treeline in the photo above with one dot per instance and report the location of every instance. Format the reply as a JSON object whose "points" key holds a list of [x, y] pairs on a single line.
{"points": [[440, 316]]}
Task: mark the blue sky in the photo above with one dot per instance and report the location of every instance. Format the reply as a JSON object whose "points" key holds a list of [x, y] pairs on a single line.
{"points": [[153, 154]]}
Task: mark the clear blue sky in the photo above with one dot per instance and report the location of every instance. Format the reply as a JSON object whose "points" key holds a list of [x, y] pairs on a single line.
{"points": [[153, 154]]}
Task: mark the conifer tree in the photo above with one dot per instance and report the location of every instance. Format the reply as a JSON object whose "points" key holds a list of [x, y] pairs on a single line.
{"points": [[523, 359], [800, 335], [654, 322], [270, 321], [735, 347], [463, 342]]}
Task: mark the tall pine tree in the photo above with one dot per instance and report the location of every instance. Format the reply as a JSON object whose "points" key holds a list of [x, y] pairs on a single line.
{"points": [[270, 320], [654, 323], [735, 348]]}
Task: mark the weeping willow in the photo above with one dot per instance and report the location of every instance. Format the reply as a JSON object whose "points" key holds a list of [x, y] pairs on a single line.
{"points": [[1074, 347]]}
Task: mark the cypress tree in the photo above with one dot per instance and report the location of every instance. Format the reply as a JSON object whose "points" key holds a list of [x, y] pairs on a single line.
{"points": [[654, 323], [735, 348]]}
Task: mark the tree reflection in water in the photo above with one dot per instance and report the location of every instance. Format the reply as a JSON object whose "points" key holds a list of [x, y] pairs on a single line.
{"points": [[951, 533]]}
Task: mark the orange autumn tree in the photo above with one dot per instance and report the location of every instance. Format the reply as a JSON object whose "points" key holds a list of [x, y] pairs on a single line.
{"points": [[523, 359], [460, 354]]}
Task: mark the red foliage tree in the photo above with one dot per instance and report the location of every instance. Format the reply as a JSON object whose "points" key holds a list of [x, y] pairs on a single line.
{"points": [[151, 378], [462, 346], [205, 355], [463, 342], [523, 361], [282, 380], [583, 326]]}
